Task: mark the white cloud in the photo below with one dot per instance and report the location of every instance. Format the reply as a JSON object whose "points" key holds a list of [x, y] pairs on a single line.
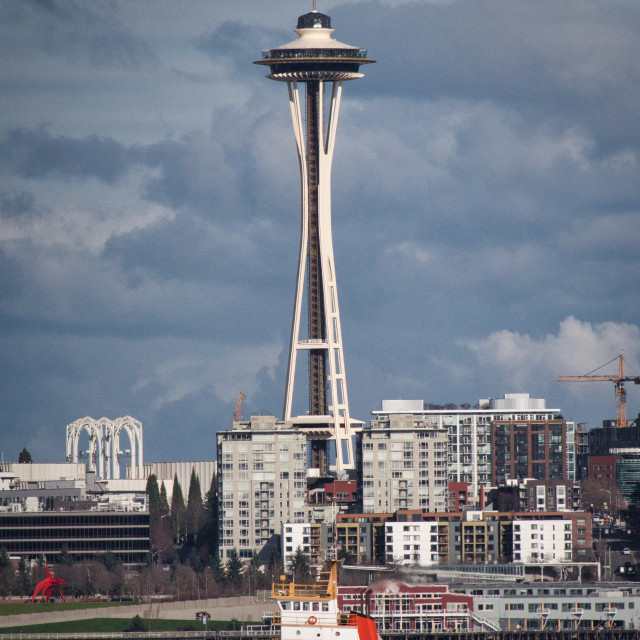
{"points": [[410, 252], [222, 369], [578, 348]]}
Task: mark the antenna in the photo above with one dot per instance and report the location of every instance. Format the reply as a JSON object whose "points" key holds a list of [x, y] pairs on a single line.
{"points": [[313, 5]]}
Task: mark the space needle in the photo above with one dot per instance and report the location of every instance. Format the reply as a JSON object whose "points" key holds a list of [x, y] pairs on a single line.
{"points": [[321, 64]]}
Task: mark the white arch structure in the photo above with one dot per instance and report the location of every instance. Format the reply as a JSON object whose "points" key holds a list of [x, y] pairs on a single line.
{"points": [[104, 444]]}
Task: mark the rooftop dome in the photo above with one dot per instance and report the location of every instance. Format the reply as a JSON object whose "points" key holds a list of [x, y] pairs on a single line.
{"points": [[314, 20]]}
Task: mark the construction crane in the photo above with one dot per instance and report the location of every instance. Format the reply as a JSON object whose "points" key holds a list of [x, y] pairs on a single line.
{"points": [[618, 381], [237, 412]]}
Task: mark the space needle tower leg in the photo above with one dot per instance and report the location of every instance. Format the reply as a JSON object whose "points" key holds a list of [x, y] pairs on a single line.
{"points": [[322, 64]]}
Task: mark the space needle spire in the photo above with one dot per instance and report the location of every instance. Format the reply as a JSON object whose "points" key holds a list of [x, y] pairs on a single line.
{"points": [[320, 64]]}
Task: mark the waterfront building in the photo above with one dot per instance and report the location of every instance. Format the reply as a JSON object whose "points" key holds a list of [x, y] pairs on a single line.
{"points": [[397, 607]]}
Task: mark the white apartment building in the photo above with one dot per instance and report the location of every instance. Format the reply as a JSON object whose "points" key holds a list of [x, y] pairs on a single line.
{"points": [[403, 464], [312, 538], [411, 543], [542, 540], [262, 467], [468, 431]]}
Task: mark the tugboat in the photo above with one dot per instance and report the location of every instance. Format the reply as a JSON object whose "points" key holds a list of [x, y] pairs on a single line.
{"points": [[310, 611]]}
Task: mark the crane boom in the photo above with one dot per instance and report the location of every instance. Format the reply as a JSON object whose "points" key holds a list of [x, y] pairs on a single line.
{"points": [[587, 378], [619, 380]]}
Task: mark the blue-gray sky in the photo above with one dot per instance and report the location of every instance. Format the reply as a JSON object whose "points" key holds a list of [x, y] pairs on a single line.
{"points": [[486, 210]]}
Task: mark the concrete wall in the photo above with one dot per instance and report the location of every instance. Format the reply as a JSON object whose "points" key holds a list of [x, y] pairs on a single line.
{"points": [[244, 608]]}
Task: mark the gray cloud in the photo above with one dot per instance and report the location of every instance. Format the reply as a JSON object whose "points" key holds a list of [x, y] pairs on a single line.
{"points": [[75, 31], [570, 62], [240, 41], [485, 210], [16, 203], [38, 154]]}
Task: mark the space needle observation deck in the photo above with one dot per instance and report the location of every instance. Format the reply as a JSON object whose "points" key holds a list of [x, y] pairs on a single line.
{"points": [[315, 55]]}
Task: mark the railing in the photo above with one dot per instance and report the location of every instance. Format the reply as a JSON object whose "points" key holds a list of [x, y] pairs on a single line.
{"points": [[488, 624], [174, 635], [291, 590], [284, 54]]}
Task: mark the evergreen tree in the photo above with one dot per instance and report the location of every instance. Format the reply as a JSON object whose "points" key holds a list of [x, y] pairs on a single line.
{"points": [[195, 508], [209, 529], [195, 561], [153, 496], [7, 574], [300, 567], [178, 510], [138, 624], [253, 576], [24, 578], [25, 456], [164, 503], [233, 571], [217, 569], [274, 565], [64, 557], [110, 560]]}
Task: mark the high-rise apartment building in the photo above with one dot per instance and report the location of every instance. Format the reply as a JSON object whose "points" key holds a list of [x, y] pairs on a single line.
{"points": [[262, 466], [468, 431], [403, 464], [529, 449]]}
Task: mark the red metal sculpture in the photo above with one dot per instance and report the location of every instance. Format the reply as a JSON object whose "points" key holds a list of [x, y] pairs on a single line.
{"points": [[46, 586]]}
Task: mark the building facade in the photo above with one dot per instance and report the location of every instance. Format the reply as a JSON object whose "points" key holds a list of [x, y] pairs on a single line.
{"points": [[86, 535], [312, 538], [542, 541], [557, 606], [528, 449], [396, 606], [549, 495], [403, 464], [468, 431], [262, 468]]}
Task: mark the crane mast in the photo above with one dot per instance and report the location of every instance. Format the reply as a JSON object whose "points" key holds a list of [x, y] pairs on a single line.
{"points": [[237, 413]]}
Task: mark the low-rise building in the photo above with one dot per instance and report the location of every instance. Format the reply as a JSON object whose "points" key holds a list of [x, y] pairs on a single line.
{"points": [[312, 538], [414, 537], [411, 543], [86, 535], [396, 606], [542, 541], [558, 606]]}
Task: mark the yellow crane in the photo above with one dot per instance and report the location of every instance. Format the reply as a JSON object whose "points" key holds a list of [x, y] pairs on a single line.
{"points": [[618, 381], [237, 413]]}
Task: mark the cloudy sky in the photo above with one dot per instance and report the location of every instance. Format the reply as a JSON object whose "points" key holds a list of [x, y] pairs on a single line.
{"points": [[486, 210]]}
